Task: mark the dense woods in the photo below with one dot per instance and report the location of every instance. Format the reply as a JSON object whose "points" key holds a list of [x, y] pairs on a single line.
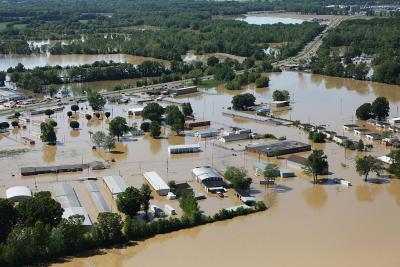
{"points": [[378, 38]]}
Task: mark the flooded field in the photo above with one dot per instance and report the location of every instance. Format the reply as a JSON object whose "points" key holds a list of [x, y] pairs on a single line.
{"points": [[306, 225], [41, 60]]}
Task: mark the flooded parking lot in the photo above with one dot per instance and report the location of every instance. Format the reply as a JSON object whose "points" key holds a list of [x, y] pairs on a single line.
{"points": [[306, 225]]}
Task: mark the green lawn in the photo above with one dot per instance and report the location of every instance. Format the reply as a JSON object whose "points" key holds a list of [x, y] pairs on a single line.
{"points": [[209, 83], [3, 26]]}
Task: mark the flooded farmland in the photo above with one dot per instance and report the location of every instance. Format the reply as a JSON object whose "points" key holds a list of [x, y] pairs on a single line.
{"points": [[306, 225]]}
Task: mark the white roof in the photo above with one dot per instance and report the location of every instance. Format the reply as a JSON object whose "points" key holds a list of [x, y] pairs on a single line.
{"points": [[137, 109], [206, 172], [116, 184], [77, 211], [17, 192], [386, 159], [184, 146], [156, 181]]}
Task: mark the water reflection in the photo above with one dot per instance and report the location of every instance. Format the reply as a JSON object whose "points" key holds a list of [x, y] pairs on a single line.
{"points": [[49, 153], [367, 192], [315, 196]]}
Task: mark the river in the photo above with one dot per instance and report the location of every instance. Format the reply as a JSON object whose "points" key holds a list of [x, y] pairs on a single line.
{"points": [[307, 225]]}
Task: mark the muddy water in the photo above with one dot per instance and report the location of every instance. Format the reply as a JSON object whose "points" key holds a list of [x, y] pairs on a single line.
{"points": [[307, 225], [41, 60]]}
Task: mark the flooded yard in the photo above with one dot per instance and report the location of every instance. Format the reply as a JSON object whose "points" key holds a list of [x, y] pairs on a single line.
{"points": [[306, 225]]}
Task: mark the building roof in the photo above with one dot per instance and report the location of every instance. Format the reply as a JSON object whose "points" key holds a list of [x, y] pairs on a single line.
{"points": [[197, 146], [97, 197], [116, 184], [156, 181], [17, 193], [204, 173], [296, 159], [66, 196], [68, 212], [235, 137]]}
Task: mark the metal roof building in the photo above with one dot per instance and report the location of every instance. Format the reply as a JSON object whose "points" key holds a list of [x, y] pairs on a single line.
{"points": [[209, 178], [66, 196], [158, 184], [18, 193], [97, 197], [68, 212], [179, 149], [116, 184]]}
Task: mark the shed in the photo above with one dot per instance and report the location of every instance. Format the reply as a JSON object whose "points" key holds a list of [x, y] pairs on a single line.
{"points": [[158, 184], [18, 193], [186, 148]]}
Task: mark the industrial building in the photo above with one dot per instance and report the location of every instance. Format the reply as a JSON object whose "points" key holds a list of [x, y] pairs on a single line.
{"points": [[234, 137], [277, 148], [179, 149], [97, 197], [116, 184], [158, 183], [206, 133], [18, 193], [209, 178]]}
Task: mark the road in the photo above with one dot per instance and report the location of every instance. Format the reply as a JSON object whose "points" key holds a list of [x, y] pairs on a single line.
{"points": [[311, 48]]}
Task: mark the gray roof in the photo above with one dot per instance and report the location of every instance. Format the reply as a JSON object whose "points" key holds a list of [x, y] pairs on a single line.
{"points": [[204, 173]]}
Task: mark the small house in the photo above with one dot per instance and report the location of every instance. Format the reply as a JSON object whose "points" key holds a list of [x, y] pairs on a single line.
{"points": [[350, 127], [373, 136]]}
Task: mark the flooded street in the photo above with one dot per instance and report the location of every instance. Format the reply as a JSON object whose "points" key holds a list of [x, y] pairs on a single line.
{"points": [[306, 225]]}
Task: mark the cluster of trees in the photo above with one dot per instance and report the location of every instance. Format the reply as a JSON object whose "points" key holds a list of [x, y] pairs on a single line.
{"points": [[376, 37], [379, 109], [48, 134], [153, 112], [243, 79], [174, 118], [317, 137], [243, 101]]}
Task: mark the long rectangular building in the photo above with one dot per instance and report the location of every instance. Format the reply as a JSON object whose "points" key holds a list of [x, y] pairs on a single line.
{"points": [[277, 148], [116, 184], [179, 149], [158, 183], [97, 197]]}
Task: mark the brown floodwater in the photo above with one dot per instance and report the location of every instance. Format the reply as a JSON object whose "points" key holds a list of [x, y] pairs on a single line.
{"points": [[41, 60], [306, 225]]}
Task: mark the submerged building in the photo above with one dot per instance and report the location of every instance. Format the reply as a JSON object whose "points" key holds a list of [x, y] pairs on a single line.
{"points": [[277, 148]]}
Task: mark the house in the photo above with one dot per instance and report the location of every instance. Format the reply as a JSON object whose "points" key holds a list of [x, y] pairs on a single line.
{"points": [[382, 125], [209, 178], [286, 173], [389, 141], [340, 139], [135, 111], [158, 183], [329, 134], [361, 131], [350, 127], [279, 104], [373, 136]]}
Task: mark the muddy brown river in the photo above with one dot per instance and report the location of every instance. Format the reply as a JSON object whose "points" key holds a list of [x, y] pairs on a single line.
{"points": [[306, 225]]}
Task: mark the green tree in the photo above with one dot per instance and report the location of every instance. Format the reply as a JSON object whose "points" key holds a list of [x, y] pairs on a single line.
{"points": [[88, 117], [118, 126], [145, 126], [212, 61], [360, 145], [74, 125], [243, 101], [52, 90], [129, 201], [98, 138], [178, 125], [271, 171], [366, 165], [75, 108], [48, 135], [49, 112], [364, 112], [96, 100], [187, 109], [145, 193], [195, 75], [109, 142], [238, 177], [155, 129], [262, 82], [315, 164], [8, 218], [153, 112], [190, 208], [41, 207], [281, 95], [394, 166], [380, 108], [108, 229], [69, 114]]}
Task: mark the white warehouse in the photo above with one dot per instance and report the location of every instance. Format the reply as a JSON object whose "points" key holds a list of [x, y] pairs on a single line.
{"points": [[158, 184], [116, 184], [179, 149]]}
